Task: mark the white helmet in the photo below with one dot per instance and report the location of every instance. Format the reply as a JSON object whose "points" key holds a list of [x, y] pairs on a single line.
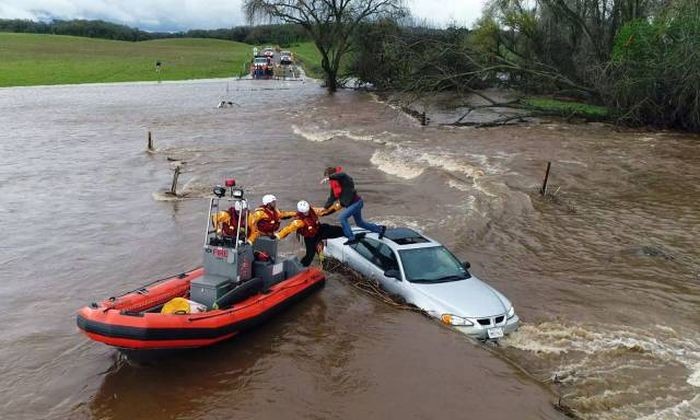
{"points": [[268, 198], [242, 204], [303, 206]]}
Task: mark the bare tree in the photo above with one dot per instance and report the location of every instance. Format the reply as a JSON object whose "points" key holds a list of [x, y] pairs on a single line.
{"points": [[331, 24]]}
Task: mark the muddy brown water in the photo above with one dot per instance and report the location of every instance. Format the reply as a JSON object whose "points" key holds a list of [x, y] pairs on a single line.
{"points": [[605, 274]]}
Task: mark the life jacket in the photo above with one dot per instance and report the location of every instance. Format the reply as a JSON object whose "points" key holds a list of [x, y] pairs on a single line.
{"points": [[271, 223], [335, 185], [229, 229], [311, 224]]}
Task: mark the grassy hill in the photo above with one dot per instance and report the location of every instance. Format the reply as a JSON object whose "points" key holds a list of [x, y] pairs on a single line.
{"points": [[307, 54], [36, 59]]}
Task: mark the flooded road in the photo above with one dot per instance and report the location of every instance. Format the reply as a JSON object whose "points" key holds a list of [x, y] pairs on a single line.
{"points": [[606, 274]]}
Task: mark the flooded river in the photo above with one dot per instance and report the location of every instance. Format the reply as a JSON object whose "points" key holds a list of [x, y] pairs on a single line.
{"points": [[605, 273]]}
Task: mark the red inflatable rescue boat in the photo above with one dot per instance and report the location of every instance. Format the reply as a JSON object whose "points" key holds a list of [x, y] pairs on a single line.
{"points": [[230, 293]]}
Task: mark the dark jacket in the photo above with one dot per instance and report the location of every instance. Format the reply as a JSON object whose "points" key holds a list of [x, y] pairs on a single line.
{"points": [[348, 195]]}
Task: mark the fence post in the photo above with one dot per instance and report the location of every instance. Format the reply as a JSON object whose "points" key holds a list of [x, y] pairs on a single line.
{"points": [[543, 190], [176, 174], [150, 143]]}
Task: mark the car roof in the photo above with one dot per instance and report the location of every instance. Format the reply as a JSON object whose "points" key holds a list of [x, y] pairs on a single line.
{"points": [[404, 238]]}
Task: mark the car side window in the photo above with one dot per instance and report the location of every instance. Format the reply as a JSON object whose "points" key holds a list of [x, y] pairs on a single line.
{"points": [[377, 253], [387, 258], [364, 248]]}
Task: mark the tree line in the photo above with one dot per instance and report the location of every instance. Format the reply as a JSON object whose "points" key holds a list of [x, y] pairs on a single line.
{"points": [[640, 58], [279, 34]]}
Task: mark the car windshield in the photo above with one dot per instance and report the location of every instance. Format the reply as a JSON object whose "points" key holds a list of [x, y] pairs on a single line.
{"points": [[432, 265]]}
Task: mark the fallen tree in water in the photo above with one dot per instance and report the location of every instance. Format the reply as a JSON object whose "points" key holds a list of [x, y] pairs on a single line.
{"points": [[358, 281]]}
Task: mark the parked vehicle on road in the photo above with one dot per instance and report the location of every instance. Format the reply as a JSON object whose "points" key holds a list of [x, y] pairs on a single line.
{"points": [[261, 68]]}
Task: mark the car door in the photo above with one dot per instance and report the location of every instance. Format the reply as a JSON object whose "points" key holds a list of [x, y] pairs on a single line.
{"points": [[388, 261], [359, 258], [379, 258]]}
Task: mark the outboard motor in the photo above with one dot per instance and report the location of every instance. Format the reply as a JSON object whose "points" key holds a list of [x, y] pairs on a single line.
{"points": [[228, 259]]}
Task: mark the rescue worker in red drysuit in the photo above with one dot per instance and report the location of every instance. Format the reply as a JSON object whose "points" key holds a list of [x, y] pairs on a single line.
{"points": [[343, 191], [306, 224], [265, 220], [226, 221]]}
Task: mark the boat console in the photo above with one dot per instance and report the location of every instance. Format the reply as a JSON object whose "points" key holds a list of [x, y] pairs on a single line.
{"points": [[231, 270]]}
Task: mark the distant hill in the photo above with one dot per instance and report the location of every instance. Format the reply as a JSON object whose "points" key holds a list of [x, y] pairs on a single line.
{"points": [[280, 34], [80, 27]]}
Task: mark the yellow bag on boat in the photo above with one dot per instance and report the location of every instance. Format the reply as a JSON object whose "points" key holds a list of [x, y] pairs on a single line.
{"points": [[178, 305]]}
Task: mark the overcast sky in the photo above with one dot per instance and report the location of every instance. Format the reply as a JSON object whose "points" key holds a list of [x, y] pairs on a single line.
{"points": [[176, 15]]}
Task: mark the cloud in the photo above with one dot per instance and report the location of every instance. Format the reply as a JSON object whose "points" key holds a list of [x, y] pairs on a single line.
{"points": [[177, 15], [446, 12], [166, 15]]}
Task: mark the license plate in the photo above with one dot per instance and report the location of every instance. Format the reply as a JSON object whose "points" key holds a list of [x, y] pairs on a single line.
{"points": [[495, 332]]}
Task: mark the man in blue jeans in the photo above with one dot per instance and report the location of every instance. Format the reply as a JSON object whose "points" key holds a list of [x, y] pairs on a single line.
{"points": [[343, 191]]}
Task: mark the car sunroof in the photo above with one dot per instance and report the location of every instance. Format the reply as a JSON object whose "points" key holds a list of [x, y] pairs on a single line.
{"points": [[405, 236]]}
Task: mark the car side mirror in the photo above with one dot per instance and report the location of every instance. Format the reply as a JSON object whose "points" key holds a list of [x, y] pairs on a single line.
{"points": [[393, 274], [466, 265]]}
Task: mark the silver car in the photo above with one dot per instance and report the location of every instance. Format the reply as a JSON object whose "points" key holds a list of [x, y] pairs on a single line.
{"points": [[285, 60], [424, 273]]}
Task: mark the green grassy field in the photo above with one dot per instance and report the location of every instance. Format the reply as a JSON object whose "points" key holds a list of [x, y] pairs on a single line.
{"points": [[310, 58], [36, 59], [567, 108]]}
